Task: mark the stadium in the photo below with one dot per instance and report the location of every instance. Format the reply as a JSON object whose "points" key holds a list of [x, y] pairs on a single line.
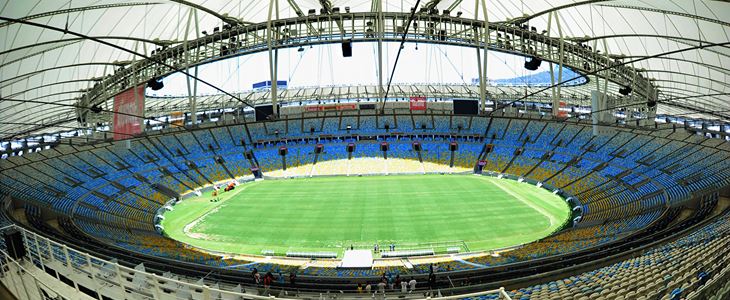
{"points": [[335, 149]]}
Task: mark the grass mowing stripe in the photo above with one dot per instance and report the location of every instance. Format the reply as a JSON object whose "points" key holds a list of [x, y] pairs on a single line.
{"points": [[328, 213]]}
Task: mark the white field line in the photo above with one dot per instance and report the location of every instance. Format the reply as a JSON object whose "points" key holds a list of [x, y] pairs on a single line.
{"points": [[192, 224], [537, 208]]}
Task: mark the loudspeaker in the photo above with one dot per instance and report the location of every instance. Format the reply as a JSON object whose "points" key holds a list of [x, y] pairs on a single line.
{"points": [[651, 103], [453, 146], [155, 84], [489, 148], [347, 48], [319, 148], [14, 244], [625, 91], [283, 150], [417, 146], [351, 147], [243, 142], [387, 127], [384, 146], [518, 151], [423, 126], [533, 64], [249, 154]]}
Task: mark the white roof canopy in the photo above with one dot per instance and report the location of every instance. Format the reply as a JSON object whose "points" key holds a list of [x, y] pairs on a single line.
{"points": [[44, 72]]}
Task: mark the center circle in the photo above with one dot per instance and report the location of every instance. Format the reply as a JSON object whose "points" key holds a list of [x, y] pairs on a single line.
{"points": [[330, 214]]}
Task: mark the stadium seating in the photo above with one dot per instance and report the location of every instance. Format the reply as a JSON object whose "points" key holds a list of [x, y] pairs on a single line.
{"points": [[624, 181], [655, 273]]}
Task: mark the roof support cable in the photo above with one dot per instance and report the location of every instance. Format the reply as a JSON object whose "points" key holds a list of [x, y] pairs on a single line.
{"points": [[395, 64], [68, 15]]}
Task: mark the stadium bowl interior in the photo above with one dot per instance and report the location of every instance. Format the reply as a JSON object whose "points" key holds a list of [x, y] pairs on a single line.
{"points": [[100, 195]]}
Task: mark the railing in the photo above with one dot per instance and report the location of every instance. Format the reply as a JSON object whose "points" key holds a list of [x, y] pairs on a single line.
{"points": [[78, 273]]}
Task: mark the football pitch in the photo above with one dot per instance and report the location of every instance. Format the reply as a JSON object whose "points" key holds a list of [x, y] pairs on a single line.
{"points": [[334, 213]]}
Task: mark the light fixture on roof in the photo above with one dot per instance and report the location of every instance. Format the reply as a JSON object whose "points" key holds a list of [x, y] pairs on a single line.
{"points": [[533, 64], [625, 90], [155, 83]]}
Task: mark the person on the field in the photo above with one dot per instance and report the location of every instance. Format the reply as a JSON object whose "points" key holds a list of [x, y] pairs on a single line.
{"points": [[359, 288], [381, 286], [403, 286], [397, 282], [412, 284], [368, 288]]}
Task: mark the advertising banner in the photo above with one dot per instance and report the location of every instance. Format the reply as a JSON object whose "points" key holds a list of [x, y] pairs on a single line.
{"points": [[128, 113], [418, 103]]}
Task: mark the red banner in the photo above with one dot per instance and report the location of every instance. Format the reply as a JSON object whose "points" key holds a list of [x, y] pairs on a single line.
{"points": [[348, 106], [128, 113], [418, 103], [561, 112], [311, 108]]}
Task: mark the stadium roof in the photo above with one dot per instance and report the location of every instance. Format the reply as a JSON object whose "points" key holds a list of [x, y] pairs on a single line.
{"points": [[43, 72]]}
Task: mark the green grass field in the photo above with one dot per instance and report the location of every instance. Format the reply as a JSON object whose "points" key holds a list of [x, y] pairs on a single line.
{"points": [[331, 213]]}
